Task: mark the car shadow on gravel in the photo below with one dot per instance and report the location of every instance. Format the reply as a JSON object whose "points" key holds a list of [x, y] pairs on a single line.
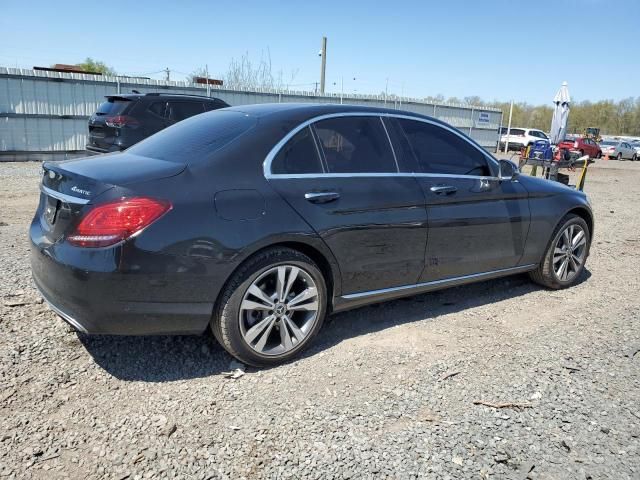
{"points": [[171, 358]]}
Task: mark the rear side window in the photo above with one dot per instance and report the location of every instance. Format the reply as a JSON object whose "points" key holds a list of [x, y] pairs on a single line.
{"points": [[195, 139], [113, 107], [440, 151], [401, 146], [157, 108], [355, 145], [298, 156], [180, 110]]}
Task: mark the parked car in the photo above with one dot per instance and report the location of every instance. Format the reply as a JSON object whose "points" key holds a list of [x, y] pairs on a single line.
{"points": [[124, 120], [521, 137], [257, 221], [636, 146], [618, 149], [584, 146]]}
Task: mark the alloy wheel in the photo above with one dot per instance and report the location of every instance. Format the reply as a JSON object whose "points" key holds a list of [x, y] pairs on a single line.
{"points": [[569, 253], [279, 310]]}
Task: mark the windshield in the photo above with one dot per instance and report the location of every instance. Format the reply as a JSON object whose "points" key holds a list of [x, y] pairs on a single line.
{"points": [[196, 138], [608, 142]]}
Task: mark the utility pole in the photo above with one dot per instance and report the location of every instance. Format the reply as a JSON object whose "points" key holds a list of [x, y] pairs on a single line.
{"points": [[323, 67], [506, 143], [386, 90], [168, 72], [206, 69]]}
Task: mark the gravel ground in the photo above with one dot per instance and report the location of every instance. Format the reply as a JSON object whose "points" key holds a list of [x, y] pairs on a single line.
{"points": [[386, 391]]}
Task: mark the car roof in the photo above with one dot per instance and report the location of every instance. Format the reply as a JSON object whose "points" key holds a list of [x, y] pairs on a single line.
{"points": [[172, 96], [306, 111]]}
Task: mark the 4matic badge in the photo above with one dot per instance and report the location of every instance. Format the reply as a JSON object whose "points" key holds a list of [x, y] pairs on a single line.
{"points": [[79, 190]]}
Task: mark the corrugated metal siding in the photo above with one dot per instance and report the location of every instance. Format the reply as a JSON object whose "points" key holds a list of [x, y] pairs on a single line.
{"points": [[27, 94]]}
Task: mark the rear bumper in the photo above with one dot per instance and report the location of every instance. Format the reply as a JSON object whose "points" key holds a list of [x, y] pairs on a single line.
{"points": [[105, 300], [512, 144]]}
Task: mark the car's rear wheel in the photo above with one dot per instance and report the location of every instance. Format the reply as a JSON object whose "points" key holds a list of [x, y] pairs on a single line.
{"points": [[271, 308], [566, 254], [599, 155], [635, 157], [619, 157]]}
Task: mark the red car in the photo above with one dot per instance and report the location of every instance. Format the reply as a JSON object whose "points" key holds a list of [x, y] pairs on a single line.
{"points": [[585, 146]]}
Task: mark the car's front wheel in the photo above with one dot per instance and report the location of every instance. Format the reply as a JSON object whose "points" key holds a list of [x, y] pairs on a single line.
{"points": [[271, 308], [564, 260]]}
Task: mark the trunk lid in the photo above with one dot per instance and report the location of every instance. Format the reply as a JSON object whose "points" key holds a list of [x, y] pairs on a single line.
{"points": [[69, 187]]}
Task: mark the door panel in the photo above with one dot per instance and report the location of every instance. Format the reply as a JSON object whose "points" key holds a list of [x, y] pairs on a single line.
{"points": [[476, 223], [480, 227], [375, 226]]}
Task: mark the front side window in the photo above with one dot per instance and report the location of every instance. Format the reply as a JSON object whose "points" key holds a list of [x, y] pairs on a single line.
{"points": [[355, 144], [439, 151], [298, 156]]}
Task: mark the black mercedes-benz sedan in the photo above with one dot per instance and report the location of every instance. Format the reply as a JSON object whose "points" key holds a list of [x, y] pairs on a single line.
{"points": [[258, 221]]}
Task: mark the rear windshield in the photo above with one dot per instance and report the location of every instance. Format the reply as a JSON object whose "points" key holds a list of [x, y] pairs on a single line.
{"points": [[113, 107], [195, 138]]}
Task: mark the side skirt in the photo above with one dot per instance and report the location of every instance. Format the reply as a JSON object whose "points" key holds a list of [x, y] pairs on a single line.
{"points": [[355, 300]]}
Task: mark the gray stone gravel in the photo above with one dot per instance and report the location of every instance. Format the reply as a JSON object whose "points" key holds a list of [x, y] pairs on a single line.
{"points": [[370, 400]]}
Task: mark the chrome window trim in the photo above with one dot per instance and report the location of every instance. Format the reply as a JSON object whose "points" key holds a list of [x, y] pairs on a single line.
{"points": [[63, 197], [373, 174], [266, 165]]}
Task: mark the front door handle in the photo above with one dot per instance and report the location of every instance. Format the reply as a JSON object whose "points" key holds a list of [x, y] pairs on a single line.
{"points": [[443, 189], [321, 197]]}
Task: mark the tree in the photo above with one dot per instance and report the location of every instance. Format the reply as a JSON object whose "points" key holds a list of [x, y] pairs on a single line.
{"points": [[94, 66], [243, 73]]}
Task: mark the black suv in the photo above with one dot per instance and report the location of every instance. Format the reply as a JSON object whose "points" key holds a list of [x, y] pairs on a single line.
{"points": [[124, 120]]}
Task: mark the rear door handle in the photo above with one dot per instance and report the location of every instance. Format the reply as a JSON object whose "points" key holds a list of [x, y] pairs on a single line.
{"points": [[443, 189], [321, 197]]}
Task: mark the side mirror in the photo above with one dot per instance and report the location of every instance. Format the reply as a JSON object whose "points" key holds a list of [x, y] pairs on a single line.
{"points": [[508, 170]]}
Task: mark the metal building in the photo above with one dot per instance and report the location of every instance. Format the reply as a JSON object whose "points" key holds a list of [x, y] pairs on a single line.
{"points": [[44, 114]]}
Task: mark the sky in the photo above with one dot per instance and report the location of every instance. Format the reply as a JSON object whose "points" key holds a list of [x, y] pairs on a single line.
{"points": [[495, 49]]}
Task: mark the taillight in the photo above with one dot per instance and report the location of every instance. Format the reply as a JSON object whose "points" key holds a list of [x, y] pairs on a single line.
{"points": [[121, 121], [113, 222]]}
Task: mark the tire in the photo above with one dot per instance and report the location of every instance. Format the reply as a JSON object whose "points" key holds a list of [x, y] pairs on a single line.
{"points": [[635, 157], [599, 155], [231, 324], [546, 274], [582, 153], [619, 156]]}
